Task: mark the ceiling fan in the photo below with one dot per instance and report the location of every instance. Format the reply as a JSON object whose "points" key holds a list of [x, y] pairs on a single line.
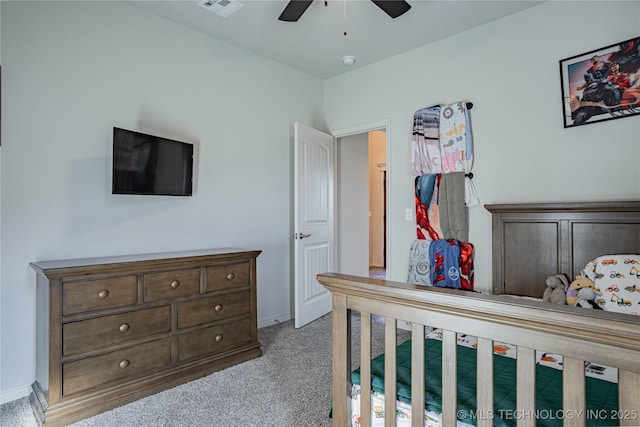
{"points": [[295, 8]]}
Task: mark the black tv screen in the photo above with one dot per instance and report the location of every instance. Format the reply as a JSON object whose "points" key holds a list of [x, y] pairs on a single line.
{"points": [[147, 164]]}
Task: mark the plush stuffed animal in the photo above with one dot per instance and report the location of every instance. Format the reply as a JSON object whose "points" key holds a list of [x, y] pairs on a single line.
{"points": [[556, 289], [587, 298], [575, 286]]}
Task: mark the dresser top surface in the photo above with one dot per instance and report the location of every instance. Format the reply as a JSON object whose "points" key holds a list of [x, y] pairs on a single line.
{"points": [[43, 266]]}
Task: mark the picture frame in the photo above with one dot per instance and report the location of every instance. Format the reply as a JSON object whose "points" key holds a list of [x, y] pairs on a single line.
{"points": [[602, 84]]}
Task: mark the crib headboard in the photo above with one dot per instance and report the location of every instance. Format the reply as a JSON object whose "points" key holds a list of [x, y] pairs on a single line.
{"points": [[532, 241]]}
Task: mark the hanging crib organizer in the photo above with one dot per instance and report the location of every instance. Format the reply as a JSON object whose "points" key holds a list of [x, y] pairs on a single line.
{"points": [[441, 161], [442, 143], [441, 139]]}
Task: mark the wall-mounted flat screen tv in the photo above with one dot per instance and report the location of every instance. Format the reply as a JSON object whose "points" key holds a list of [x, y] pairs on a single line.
{"points": [[151, 165]]}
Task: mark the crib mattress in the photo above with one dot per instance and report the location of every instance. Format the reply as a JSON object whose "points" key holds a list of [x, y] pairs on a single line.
{"points": [[601, 396]]}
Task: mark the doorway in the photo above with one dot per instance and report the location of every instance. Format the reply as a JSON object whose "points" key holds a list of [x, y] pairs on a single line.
{"points": [[331, 211], [361, 203], [377, 204]]}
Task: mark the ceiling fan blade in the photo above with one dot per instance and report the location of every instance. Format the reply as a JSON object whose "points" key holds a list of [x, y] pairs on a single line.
{"points": [[294, 10], [393, 8]]}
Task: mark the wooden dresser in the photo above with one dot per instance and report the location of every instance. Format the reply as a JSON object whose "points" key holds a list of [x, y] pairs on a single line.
{"points": [[113, 330]]}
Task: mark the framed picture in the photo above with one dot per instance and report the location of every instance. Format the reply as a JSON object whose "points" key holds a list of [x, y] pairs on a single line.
{"points": [[603, 84]]}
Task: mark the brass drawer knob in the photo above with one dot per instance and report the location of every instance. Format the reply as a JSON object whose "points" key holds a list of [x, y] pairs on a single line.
{"points": [[175, 284], [218, 308], [124, 327], [218, 337], [230, 276], [103, 294], [124, 363]]}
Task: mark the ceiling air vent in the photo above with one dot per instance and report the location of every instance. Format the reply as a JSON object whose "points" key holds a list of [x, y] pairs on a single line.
{"points": [[223, 8]]}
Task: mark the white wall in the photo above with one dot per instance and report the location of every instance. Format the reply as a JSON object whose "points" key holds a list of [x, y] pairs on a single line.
{"points": [[1, 137], [353, 204], [73, 70], [509, 70]]}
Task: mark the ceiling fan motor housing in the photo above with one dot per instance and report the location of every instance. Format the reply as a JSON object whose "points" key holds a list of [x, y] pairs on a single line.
{"points": [[295, 8]]}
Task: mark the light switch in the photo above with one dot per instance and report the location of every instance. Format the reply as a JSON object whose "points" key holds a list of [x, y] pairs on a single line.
{"points": [[408, 214]]}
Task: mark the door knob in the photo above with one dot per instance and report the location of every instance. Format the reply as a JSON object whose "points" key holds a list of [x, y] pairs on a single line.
{"points": [[303, 235]]}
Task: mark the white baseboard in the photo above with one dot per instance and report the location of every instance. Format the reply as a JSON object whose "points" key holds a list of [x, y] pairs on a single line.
{"points": [[273, 320], [14, 393]]}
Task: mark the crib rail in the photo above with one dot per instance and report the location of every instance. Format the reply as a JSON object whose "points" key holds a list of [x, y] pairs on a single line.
{"points": [[579, 335]]}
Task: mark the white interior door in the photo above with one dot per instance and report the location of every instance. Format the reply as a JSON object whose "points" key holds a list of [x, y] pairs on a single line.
{"points": [[314, 228]]}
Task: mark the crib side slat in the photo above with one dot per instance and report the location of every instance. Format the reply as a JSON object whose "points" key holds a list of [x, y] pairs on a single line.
{"points": [[526, 387], [390, 371], [629, 397], [417, 375], [485, 383], [613, 343], [573, 392], [365, 369], [449, 378], [341, 387]]}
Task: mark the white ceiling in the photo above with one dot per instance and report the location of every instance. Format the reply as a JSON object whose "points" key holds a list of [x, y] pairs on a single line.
{"points": [[316, 43]]}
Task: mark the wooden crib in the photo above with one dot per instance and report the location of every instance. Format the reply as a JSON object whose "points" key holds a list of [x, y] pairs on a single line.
{"points": [[579, 335], [613, 340]]}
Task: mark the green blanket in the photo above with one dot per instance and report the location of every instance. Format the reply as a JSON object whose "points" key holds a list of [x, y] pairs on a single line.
{"points": [[601, 400]]}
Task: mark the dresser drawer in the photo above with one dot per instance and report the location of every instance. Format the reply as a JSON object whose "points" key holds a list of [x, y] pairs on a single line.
{"points": [[85, 335], [228, 276], [205, 310], [171, 284], [97, 294], [213, 339], [95, 371]]}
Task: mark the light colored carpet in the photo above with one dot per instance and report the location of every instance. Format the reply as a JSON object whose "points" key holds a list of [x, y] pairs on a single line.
{"points": [[290, 385]]}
